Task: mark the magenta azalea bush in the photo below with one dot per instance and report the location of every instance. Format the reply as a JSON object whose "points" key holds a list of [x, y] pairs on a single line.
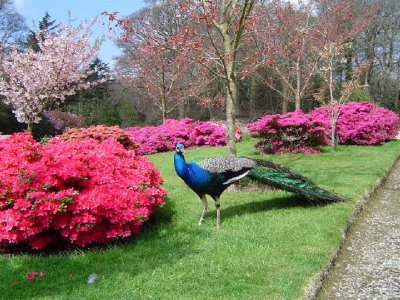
{"points": [[81, 192], [288, 133], [154, 139], [361, 123]]}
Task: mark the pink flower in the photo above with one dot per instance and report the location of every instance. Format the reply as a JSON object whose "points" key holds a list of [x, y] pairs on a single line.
{"points": [[154, 139], [288, 133], [361, 123], [31, 276], [82, 191]]}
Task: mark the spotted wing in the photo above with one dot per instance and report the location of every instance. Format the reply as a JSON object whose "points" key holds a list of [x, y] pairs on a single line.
{"points": [[228, 164]]}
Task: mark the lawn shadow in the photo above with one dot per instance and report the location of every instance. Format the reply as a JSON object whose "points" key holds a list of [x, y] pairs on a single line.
{"points": [[68, 270], [263, 205], [160, 216]]}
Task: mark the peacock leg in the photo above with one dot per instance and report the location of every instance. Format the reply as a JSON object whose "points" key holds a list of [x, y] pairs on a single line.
{"points": [[218, 206], [203, 211]]}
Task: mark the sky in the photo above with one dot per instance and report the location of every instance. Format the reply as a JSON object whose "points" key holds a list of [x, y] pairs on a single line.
{"points": [[34, 10]]}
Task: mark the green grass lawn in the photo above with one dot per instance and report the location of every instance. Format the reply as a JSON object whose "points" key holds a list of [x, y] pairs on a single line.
{"points": [[270, 244]]}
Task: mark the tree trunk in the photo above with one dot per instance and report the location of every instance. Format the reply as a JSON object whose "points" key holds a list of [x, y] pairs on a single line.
{"points": [[30, 127], [231, 99], [349, 63], [181, 110], [285, 103], [298, 86], [231, 85], [285, 100], [333, 135], [334, 116], [253, 97], [164, 109]]}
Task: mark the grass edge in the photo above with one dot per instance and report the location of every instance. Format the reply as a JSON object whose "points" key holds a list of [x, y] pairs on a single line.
{"points": [[314, 286]]}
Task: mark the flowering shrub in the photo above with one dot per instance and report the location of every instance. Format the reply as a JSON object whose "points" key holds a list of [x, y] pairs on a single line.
{"points": [[99, 133], [208, 133], [361, 123], [82, 192], [62, 121], [154, 139], [288, 133]]}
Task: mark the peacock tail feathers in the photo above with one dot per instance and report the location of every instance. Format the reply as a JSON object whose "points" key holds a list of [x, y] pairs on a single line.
{"points": [[283, 178]]}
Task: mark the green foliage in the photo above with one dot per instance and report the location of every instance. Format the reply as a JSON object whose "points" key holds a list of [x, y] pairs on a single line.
{"points": [[45, 24], [128, 114], [270, 245], [358, 95], [43, 130], [94, 104], [8, 122], [96, 109]]}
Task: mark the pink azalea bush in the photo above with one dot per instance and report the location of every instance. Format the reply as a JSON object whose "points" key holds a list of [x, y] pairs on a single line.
{"points": [[361, 123], [288, 133], [154, 139], [82, 192]]}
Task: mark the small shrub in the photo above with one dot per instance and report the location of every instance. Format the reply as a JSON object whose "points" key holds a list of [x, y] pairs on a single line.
{"points": [[288, 133], [99, 133], [361, 123], [83, 192]]}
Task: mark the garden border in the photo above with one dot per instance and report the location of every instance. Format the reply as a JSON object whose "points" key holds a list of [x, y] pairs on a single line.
{"points": [[313, 288]]}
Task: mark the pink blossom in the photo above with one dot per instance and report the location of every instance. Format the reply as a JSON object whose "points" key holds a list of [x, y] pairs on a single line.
{"points": [[154, 139], [361, 123], [31, 276], [34, 275], [82, 192], [288, 133], [33, 80]]}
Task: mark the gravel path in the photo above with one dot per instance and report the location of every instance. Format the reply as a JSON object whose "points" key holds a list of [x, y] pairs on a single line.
{"points": [[368, 266]]}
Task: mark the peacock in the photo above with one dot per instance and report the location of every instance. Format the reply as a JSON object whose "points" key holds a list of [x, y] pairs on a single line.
{"points": [[216, 174]]}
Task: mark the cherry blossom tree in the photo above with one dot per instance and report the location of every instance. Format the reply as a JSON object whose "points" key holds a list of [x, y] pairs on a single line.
{"points": [[33, 81]]}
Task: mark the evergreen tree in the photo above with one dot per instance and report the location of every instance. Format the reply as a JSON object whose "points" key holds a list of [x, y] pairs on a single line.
{"points": [[46, 24], [95, 104]]}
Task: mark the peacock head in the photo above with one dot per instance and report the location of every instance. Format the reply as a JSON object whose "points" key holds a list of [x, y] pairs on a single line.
{"points": [[179, 148]]}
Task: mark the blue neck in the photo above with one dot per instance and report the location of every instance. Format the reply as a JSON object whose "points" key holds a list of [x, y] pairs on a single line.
{"points": [[180, 164]]}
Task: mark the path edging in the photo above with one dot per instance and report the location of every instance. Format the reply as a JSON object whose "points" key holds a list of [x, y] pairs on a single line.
{"points": [[312, 289]]}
